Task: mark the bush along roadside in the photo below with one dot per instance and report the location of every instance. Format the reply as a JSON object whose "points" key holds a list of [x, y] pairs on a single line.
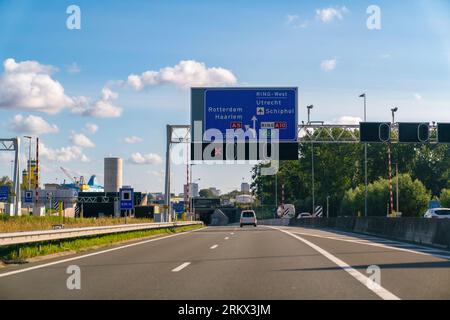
{"points": [[16, 254]]}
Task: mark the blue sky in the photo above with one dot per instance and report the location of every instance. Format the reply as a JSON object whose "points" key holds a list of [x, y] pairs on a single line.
{"points": [[323, 47]]}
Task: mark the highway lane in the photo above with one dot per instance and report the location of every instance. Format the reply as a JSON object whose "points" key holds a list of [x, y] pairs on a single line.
{"points": [[234, 263]]}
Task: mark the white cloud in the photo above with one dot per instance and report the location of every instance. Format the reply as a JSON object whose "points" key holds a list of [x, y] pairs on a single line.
{"points": [[327, 15], [102, 108], [151, 158], [187, 73], [348, 120], [64, 154], [328, 65], [32, 125], [293, 21], [417, 96], [132, 140], [28, 86], [91, 128], [80, 140], [73, 68]]}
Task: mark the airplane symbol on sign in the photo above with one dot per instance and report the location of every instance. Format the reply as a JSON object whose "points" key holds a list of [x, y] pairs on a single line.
{"points": [[260, 111]]}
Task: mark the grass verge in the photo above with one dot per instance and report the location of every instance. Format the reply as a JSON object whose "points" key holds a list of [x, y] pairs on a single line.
{"points": [[30, 223], [20, 253]]}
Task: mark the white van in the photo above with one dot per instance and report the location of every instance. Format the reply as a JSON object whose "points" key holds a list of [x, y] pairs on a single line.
{"points": [[248, 218]]}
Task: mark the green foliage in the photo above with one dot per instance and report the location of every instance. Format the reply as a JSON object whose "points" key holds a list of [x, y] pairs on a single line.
{"points": [[413, 198], [206, 193], [445, 198]]}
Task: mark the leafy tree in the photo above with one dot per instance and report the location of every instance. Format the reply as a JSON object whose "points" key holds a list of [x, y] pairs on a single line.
{"points": [[206, 193], [413, 198], [445, 198]]}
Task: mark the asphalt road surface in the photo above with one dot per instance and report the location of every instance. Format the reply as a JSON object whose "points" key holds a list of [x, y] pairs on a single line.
{"points": [[233, 264]]}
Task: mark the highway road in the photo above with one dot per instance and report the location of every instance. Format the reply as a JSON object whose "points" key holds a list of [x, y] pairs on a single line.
{"points": [[233, 264]]}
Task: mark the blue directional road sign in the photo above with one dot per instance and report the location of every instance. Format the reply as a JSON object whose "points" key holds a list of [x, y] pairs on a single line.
{"points": [[28, 196], [4, 193], [252, 108], [126, 198]]}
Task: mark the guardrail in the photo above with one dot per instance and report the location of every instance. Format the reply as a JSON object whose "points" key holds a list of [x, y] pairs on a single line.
{"points": [[14, 238]]}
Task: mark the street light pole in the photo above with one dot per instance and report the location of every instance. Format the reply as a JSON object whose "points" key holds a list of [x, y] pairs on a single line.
{"points": [[365, 158], [310, 107]]}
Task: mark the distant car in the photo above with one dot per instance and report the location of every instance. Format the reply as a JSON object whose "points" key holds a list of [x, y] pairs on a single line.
{"points": [[437, 213], [304, 215], [248, 218]]}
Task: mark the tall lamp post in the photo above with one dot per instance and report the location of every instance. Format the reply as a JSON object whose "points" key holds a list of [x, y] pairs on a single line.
{"points": [[309, 108], [391, 191], [365, 158]]}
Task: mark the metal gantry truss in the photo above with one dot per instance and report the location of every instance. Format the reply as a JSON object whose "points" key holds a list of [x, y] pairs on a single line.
{"points": [[307, 133], [312, 133], [13, 145]]}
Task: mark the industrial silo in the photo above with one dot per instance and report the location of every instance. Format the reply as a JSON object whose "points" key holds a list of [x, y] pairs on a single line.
{"points": [[113, 174]]}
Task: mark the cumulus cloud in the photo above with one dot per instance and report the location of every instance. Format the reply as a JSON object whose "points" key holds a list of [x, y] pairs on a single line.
{"points": [[64, 154], [80, 140], [132, 139], [187, 73], [328, 15], [28, 85], [32, 125], [151, 158], [102, 108], [91, 128], [328, 65], [348, 120]]}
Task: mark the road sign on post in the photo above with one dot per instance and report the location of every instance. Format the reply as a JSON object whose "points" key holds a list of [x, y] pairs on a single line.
{"points": [[413, 132], [4, 193], [375, 132], [28, 196], [126, 198]]}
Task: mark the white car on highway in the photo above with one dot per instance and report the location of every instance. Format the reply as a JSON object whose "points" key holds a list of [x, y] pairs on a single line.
{"points": [[304, 215], [248, 218], [437, 213]]}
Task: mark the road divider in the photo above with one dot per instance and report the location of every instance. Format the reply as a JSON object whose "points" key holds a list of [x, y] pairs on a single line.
{"points": [[432, 232], [14, 238]]}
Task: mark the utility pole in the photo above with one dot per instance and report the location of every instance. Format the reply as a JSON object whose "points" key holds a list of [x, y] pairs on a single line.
{"points": [[328, 206], [398, 202], [309, 108], [365, 158]]}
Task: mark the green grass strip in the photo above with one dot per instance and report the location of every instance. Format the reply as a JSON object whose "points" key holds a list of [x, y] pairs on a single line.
{"points": [[18, 253]]}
